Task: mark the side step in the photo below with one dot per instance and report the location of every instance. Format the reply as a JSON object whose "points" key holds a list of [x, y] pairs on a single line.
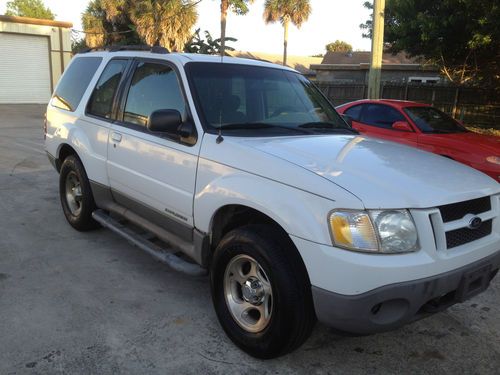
{"points": [[172, 260]]}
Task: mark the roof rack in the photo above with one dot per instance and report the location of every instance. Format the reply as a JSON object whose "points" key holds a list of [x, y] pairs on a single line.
{"points": [[117, 48]]}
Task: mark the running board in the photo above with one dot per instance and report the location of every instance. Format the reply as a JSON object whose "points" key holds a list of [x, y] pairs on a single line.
{"points": [[157, 252]]}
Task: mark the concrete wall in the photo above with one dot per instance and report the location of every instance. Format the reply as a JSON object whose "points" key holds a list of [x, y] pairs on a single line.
{"points": [[59, 34]]}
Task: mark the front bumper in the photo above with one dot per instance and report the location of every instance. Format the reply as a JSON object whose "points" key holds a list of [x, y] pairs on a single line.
{"points": [[392, 306]]}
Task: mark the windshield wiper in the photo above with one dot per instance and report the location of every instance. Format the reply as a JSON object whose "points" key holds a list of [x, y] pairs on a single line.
{"points": [[326, 125], [258, 125]]}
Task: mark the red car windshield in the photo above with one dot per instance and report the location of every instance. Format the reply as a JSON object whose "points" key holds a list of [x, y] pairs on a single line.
{"points": [[432, 120]]}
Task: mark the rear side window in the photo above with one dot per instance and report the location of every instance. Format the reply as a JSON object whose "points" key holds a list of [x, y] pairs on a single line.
{"points": [[153, 87], [70, 90], [381, 116], [101, 101]]}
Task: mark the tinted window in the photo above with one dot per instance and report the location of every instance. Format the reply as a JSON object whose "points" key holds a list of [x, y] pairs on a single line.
{"points": [[153, 87], [354, 112], [381, 116], [77, 77], [431, 120], [259, 101], [101, 101]]}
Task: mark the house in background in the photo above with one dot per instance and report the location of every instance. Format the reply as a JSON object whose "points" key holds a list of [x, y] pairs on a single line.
{"points": [[299, 63], [353, 67], [34, 55]]}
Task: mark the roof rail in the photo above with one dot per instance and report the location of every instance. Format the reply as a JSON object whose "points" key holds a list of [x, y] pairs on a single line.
{"points": [[117, 48]]}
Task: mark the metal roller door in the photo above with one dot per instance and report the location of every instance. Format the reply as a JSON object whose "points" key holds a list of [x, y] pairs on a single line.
{"points": [[24, 69]]}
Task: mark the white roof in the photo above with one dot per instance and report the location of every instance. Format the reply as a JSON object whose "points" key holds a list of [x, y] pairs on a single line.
{"points": [[184, 58]]}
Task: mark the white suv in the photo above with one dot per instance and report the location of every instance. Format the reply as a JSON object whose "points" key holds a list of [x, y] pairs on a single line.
{"points": [[245, 170]]}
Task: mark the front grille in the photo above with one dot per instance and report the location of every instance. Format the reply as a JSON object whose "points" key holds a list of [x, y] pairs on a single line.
{"points": [[462, 236], [456, 211]]}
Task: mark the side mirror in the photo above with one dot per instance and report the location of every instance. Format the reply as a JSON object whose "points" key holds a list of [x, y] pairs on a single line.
{"points": [[347, 119], [165, 121], [402, 126]]}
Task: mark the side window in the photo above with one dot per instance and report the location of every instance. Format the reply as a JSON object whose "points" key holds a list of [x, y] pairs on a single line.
{"points": [[381, 116], [354, 112], [154, 86], [101, 101], [75, 81]]}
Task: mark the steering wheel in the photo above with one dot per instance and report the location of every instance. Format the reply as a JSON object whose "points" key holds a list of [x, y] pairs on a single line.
{"points": [[283, 109]]}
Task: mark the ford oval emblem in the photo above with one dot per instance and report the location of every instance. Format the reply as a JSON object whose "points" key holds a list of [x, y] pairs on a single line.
{"points": [[475, 222]]}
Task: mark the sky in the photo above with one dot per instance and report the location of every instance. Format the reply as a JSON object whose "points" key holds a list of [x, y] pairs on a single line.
{"points": [[330, 20]]}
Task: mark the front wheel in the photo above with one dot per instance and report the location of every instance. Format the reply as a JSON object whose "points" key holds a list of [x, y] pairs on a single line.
{"points": [[261, 292]]}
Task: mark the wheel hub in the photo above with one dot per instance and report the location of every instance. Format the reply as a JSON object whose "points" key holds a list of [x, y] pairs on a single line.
{"points": [[253, 291], [73, 193], [248, 293]]}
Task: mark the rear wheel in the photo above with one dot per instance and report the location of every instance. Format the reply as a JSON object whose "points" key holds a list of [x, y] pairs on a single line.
{"points": [[261, 292], [76, 195]]}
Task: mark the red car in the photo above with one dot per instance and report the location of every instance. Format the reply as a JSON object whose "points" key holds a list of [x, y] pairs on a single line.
{"points": [[423, 126]]}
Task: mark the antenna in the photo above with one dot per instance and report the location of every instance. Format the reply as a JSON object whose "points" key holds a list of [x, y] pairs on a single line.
{"points": [[220, 138]]}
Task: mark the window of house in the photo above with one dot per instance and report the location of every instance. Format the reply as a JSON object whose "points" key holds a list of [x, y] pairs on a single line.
{"points": [[154, 86], [75, 81], [381, 116], [101, 101]]}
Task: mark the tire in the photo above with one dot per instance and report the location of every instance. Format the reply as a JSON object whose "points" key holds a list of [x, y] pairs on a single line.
{"points": [[76, 196], [289, 316]]}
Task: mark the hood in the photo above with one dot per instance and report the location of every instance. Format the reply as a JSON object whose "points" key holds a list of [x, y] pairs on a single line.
{"points": [[380, 173]]}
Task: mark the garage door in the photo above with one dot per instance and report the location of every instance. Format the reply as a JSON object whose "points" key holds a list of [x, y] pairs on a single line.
{"points": [[24, 69]]}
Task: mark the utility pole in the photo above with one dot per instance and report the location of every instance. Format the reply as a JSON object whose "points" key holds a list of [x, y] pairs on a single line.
{"points": [[377, 49]]}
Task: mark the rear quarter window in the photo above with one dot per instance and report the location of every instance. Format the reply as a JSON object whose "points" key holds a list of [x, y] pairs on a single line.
{"points": [[354, 112], [75, 81]]}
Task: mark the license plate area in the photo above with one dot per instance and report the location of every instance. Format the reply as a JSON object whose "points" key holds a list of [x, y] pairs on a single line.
{"points": [[473, 283]]}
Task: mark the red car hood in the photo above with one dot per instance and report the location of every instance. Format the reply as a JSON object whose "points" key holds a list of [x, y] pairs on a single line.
{"points": [[473, 142]]}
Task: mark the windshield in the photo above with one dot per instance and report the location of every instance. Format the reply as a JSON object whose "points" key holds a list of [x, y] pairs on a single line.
{"points": [[260, 101], [432, 120]]}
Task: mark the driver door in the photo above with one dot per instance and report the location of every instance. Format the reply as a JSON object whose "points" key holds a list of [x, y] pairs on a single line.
{"points": [[377, 120], [149, 173]]}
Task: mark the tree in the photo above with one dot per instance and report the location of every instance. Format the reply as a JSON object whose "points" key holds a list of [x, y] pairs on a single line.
{"points": [[462, 37], [29, 8], [106, 22], [239, 7], [155, 22], [286, 11], [164, 22], [209, 47], [338, 46]]}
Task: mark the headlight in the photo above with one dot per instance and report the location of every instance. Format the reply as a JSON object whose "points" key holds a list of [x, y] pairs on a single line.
{"points": [[493, 160], [377, 231]]}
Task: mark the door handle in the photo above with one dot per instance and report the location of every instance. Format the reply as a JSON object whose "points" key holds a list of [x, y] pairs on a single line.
{"points": [[116, 137]]}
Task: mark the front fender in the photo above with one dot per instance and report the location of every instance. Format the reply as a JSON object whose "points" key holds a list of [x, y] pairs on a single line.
{"points": [[298, 212]]}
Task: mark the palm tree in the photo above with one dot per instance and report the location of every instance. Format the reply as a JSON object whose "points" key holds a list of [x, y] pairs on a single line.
{"points": [[156, 22], [164, 22], [286, 11], [239, 7]]}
